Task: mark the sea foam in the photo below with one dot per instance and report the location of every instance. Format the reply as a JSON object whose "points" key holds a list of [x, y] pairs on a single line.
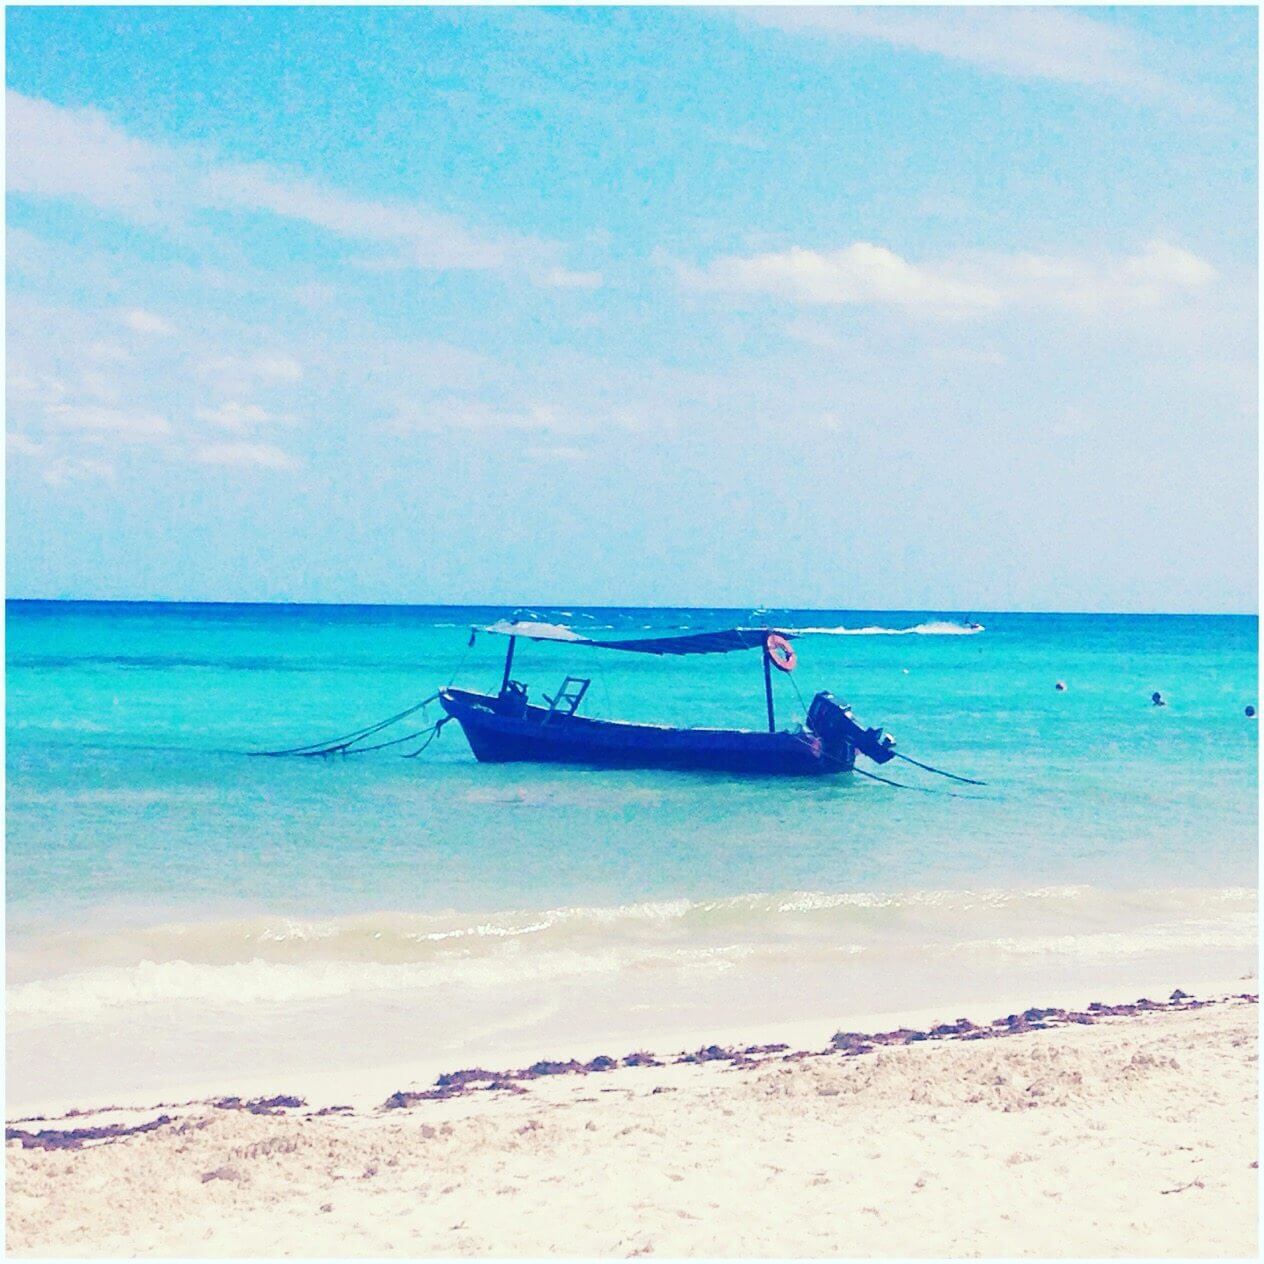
{"points": [[267, 960]]}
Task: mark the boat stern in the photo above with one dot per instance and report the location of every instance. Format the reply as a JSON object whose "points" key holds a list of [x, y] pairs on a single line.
{"points": [[841, 736]]}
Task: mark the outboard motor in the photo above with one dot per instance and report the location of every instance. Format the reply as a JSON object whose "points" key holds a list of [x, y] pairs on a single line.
{"points": [[833, 723]]}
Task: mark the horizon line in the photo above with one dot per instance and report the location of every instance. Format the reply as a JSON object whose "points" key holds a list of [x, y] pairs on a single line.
{"points": [[558, 605]]}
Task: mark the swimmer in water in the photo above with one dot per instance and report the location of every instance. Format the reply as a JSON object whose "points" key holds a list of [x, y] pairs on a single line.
{"points": [[1060, 687], [1157, 698], [1250, 713]]}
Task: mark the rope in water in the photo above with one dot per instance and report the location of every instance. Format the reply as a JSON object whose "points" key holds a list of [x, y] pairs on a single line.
{"points": [[902, 785], [888, 781], [952, 776], [435, 730], [342, 745]]}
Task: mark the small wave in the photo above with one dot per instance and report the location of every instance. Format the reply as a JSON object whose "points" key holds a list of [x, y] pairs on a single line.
{"points": [[438, 939], [443, 971], [434, 960], [1234, 933], [933, 628]]}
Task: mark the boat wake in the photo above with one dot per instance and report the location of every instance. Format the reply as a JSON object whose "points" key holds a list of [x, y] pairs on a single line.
{"points": [[933, 628]]}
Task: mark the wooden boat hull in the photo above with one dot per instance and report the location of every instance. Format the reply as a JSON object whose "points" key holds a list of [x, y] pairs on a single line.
{"points": [[538, 736]]}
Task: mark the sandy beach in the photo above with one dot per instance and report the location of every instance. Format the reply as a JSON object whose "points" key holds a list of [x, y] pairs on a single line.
{"points": [[1130, 1133]]}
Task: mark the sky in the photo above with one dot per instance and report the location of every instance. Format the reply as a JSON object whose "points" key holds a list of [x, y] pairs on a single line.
{"points": [[936, 308]]}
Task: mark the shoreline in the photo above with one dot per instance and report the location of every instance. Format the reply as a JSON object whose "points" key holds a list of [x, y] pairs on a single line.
{"points": [[739, 1053], [353, 1008], [365, 1086], [991, 1133]]}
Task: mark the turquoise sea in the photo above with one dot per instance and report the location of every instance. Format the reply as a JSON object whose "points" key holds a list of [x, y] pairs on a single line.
{"points": [[164, 888]]}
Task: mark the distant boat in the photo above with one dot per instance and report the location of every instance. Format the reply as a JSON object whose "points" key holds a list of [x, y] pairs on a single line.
{"points": [[506, 727]]}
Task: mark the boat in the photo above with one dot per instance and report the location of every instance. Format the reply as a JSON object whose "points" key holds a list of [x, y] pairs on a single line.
{"points": [[508, 727]]}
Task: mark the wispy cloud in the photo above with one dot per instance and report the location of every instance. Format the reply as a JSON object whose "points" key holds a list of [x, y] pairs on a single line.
{"points": [[23, 445], [1060, 44], [453, 413], [234, 415], [968, 284], [248, 455], [553, 453], [81, 405], [55, 467], [118, 423], [235, 375], [79, 154], [142, 322], [1157, 274], [423, 238], [566, 279]]}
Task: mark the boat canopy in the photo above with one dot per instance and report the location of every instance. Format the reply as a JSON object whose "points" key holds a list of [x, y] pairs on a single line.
{"points": [[722, 642]]}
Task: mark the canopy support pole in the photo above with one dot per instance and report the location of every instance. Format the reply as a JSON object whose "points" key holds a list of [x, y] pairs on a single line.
{"points": [[772, 719], [504, 684]]}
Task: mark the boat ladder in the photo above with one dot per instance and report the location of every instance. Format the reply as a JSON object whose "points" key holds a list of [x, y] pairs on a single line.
{"points": [[569, 696]]}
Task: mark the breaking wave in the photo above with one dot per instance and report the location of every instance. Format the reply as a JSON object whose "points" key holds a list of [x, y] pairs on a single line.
{"points": [[285, 961]]}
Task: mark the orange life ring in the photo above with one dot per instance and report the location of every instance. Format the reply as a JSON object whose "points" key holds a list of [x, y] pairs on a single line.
{"points": [[780, 653]]}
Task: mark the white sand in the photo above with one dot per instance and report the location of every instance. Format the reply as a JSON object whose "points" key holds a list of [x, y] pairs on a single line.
{"points": [[1133, 1137]]}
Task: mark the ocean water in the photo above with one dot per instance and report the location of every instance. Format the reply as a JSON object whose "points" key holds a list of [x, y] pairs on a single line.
{"points": [[181, 912]]}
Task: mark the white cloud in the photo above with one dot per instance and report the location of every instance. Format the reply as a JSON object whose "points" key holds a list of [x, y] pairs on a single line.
{"points": [[428, 239], [1158, 274], [116, 423], [862, 274], [105, 351], [256, 455], [445, 413], [236, 375], [64, 152], [62, 470], [56, 152], [56, 467], [567, 453], [143, 322], [1163, 264], [233, 415], [23, 445], [964, 285], [1060, 44], [965, 357], [26, 386], [277, 368], [565, 279]]}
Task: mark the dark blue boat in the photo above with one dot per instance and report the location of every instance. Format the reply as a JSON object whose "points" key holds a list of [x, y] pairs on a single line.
{"points": [[506, 727]]}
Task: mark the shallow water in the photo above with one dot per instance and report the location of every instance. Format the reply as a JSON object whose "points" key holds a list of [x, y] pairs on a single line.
{"points": [[164, 888]]}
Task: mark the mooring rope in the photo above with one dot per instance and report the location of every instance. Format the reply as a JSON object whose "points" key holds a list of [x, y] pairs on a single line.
{"points": [[952, 776], [435, 730], [341, 745], [887, 781], [803, 706], [902, 785]]}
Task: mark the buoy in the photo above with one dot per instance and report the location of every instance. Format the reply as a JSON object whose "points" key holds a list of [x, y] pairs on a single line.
{"points": [[1250, 713], [780, 652], [1061, 686]]}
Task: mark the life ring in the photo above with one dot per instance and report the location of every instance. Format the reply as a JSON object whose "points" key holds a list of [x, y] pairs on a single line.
{"points": [[780, 653]]}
